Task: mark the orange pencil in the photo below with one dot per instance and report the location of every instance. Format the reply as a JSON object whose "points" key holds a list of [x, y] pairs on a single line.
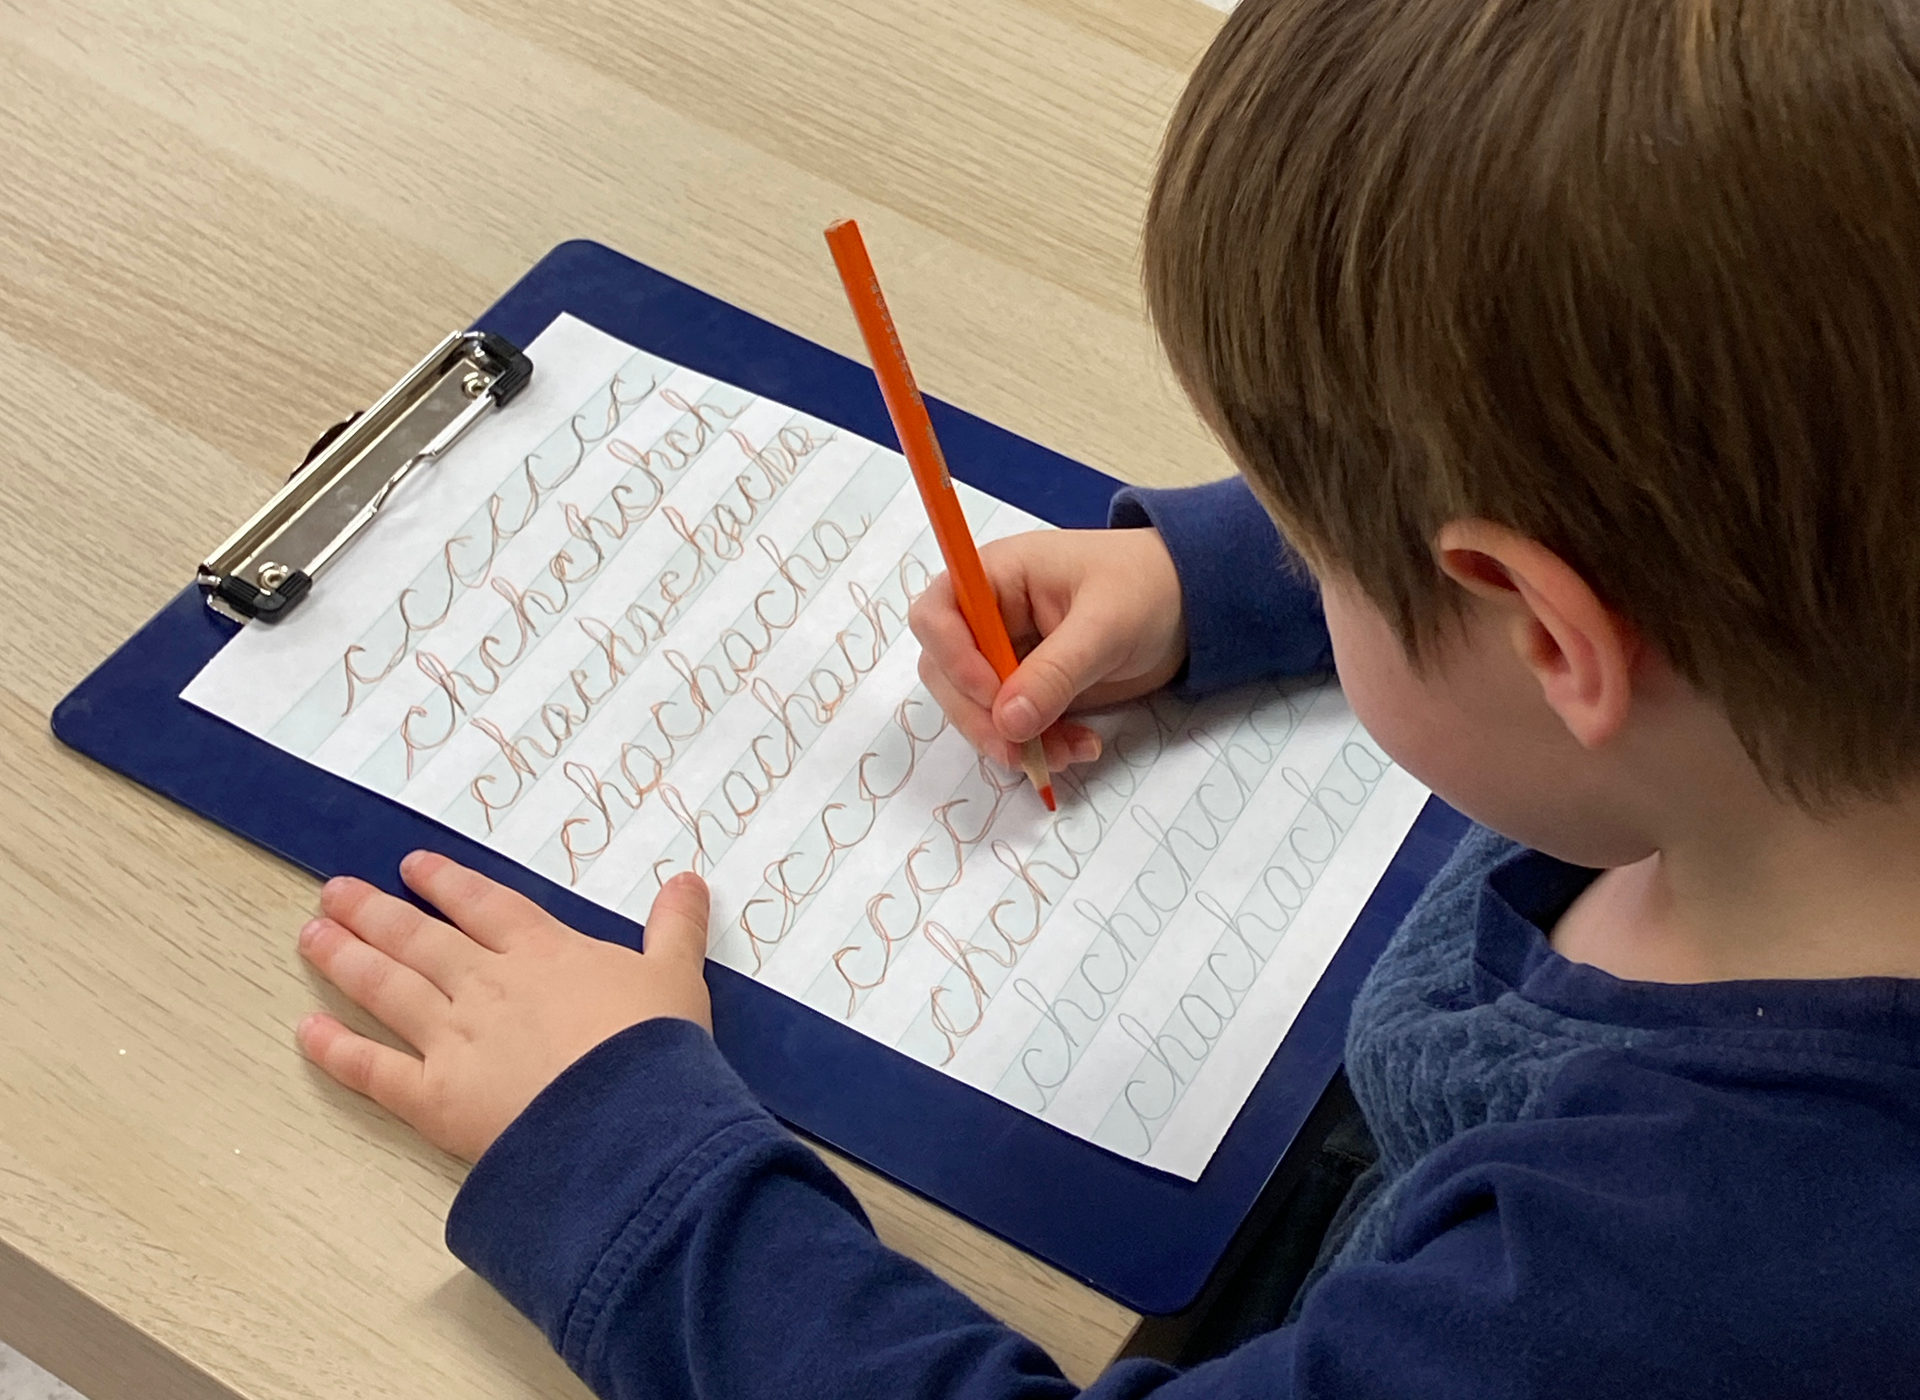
{"points": [[909, 413]]}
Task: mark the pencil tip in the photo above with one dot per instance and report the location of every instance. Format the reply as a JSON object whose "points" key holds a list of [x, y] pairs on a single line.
{"points": [[1046, 796]]}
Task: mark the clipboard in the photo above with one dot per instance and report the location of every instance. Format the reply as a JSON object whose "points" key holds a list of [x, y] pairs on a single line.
{"points": [[1145, 1238]]}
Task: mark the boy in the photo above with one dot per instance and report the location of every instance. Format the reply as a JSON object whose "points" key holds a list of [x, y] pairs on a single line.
{"points": [[1572, 343]]}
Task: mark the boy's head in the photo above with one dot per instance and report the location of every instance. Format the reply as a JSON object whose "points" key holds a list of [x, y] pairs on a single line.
{"points": [[1636, 281]]}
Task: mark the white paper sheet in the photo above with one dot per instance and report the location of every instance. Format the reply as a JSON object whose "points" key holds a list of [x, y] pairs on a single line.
{"points": [[641, 621]]}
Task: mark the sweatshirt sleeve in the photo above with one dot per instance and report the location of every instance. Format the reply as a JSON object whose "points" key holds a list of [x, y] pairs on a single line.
{"points": [[1253, 613], [673, 1241]]}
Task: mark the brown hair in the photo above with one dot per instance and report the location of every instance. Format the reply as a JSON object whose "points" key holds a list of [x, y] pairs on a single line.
{"points": [[1638, 278]]}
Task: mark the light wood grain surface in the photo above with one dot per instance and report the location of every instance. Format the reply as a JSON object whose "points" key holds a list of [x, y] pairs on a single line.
{"points": [[222, 225]]}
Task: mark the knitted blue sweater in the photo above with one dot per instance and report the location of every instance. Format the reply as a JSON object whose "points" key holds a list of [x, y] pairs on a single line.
{"points": [[1587, 1187]]}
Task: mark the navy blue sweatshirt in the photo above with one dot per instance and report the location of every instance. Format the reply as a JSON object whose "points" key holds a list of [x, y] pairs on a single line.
{"points": [[1587, 1187]]}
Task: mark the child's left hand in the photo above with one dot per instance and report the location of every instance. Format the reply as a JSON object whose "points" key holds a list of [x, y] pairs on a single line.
{"points": [[497, 1006]]}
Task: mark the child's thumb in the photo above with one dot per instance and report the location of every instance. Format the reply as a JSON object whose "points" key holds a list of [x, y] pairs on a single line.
{"points": [[1069, 659], [677, 923]]}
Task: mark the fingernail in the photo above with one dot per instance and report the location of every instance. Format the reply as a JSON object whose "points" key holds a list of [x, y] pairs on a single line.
{"points": [[304, 1026], [1019, 719], [309, 931], [1085, 748]]}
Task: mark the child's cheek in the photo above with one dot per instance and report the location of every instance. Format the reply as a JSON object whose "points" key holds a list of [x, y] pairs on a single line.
{"points": [[1374, 671], [1472, 726], [1415, 718]]}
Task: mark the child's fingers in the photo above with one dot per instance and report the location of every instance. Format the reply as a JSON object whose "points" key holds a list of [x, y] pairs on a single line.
{"points": [[435, 950], [1077, 653], [487, 912], [947, 645], [974, 721], [1068, 743], [390, 1078], [677, 923], [403, 1000]]}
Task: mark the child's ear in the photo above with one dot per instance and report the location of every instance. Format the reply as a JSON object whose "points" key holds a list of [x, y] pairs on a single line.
{"points": [[1580, 651]]}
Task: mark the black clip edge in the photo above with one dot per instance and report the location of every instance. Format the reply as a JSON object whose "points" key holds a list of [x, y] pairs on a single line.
{"points": [[260, 604], [514, 368]]}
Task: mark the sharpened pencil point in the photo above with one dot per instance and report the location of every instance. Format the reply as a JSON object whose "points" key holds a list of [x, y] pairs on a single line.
{"points": [[1033, 762]]}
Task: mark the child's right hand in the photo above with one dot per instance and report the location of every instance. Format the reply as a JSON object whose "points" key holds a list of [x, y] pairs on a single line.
{"points": [[1097, 616]]}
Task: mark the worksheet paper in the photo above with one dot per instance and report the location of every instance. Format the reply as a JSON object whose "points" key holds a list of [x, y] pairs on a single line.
{"points": [[641, 621]]}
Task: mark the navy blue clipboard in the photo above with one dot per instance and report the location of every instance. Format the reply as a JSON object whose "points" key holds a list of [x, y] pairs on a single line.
{"points": [[1147, 1239]]}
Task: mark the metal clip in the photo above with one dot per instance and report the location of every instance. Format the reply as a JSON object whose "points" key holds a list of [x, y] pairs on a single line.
{"points": [[269, 563]]}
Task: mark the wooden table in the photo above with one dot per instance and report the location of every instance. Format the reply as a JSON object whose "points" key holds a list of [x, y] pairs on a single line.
{"points": [[224, 223]]}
